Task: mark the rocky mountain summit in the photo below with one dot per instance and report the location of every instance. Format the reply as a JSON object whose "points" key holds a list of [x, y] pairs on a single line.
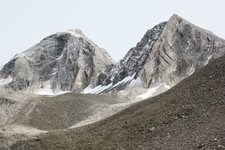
{"points": [[65, 61], [167, 53], [70, 62], [134, 59]]}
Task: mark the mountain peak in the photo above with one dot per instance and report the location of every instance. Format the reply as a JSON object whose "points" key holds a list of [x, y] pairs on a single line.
{"points": [[175, 16], [65, 61], [75, 32], [174, 21], [68, 61], [168, 53]]}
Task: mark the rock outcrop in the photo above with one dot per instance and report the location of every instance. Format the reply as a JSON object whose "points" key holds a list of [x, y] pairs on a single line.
{"points": [[181, 49], [68, 61], [168, 53], [134, 59], [65, 61]]}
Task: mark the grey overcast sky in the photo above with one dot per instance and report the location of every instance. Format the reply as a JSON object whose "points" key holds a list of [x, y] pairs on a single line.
{"points": [[116, 25]]}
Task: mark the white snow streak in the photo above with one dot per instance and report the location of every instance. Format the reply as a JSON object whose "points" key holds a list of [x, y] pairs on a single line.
{"points": [[151, 91], [208, 59], [47, 90], [96, 90], [75, 32], [100, 88], [135, 83], [5, 81], [20, 129]]}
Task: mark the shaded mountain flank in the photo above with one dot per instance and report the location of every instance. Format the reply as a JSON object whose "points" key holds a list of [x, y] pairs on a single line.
{"points": [[26, 116]]}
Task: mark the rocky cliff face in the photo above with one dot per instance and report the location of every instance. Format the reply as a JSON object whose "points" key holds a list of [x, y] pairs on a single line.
{"points": [[167, 54], [68, 61], [181, 49], [64, 61], [134, 59]]}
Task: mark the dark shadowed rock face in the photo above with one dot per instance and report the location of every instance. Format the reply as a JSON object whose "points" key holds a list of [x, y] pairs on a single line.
{"points": [[167, 53], [64, 61], [134, 59]]}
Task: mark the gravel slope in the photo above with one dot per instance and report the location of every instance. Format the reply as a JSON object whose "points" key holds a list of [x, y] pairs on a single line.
{"points": [[189, 116]]}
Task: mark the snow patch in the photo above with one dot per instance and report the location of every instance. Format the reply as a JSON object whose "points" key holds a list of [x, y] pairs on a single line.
{"points": [[191, 71], [125, 80], [5, 81], [146, 47], [208, 59], [47, 90], [155, 90], [96, 90], [166, 86], [20, 129], [189, 44], [135, 83], [174, 68], [100, 88], [75, 32], [55, 70]]}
